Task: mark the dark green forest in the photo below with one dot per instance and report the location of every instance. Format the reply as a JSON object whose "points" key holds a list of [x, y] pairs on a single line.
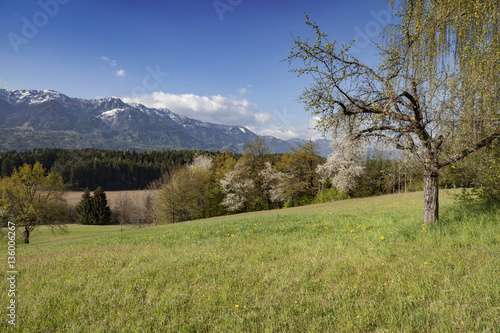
{"points": [[91, 168]]}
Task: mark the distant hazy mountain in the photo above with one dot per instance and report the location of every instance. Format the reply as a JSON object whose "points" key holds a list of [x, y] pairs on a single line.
{"points": [[45, 118]]}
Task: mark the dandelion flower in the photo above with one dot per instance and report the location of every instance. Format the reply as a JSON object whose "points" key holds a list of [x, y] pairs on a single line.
{"points": [[236, 305]]}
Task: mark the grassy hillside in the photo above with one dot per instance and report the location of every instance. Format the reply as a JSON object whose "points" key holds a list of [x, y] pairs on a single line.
{"points": [[364, 265]]}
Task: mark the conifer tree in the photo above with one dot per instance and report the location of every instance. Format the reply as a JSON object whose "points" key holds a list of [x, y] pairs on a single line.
{"points": [[100, 208], [93, 209], [84, 213]]}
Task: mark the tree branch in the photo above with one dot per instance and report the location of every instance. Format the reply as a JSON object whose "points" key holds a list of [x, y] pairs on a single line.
{"points": [[471, 149]]}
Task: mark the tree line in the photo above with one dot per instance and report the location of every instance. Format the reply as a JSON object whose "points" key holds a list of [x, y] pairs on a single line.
{"points": [[91, 168], [384, 171], [207, 184], [258, 180]]}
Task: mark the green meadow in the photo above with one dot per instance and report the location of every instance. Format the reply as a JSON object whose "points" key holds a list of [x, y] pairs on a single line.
{"points": [[361, 265]]}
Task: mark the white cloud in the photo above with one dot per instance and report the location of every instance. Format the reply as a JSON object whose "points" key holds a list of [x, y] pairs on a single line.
{"points": [[216, 109], [3, 84], [244, 90], [313, 121], [232, 111], [120, 72], [281, 132], [288, 131], [113, 63], [264, 118]]}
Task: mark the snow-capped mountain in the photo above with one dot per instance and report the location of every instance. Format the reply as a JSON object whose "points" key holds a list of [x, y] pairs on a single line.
{"points": [[46, 118], [30, 96]]}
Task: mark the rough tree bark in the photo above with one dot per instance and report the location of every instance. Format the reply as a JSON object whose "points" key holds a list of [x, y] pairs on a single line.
{"points": [[26, 235], [431, 194]]}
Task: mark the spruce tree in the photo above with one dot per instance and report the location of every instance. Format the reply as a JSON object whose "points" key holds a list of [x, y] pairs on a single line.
{"points": [[84, 210], [101, 210]]}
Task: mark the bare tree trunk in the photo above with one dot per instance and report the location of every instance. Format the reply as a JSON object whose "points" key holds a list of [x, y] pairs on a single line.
{"points": [[405, 182], [26, 235], [431, 194], [399, 178]]}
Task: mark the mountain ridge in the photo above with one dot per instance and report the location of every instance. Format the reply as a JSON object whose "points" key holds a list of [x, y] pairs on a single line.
{"points": [[46, 118]]}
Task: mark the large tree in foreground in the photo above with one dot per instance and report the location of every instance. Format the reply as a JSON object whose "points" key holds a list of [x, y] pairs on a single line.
{"points": [[434, 93], [31, 197]]}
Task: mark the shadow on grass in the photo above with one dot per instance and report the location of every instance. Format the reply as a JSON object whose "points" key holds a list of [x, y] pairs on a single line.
{"points": [[486, 212], [468, 223]]}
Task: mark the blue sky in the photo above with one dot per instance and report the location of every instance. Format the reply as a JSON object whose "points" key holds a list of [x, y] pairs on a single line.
{"points": [[213, 60]]}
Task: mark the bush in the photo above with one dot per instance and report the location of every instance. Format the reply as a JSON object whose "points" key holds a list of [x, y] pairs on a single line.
{"points": [[136, 210], [329, 195], [300, 201]]}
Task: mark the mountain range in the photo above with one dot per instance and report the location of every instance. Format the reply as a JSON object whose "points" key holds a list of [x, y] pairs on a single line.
{"points": [[45, 118]]}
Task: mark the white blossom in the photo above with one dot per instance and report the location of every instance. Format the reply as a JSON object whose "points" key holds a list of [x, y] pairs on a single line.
{"points": [[344, 166], [237, 189], [274, 183], [202, 162]]}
